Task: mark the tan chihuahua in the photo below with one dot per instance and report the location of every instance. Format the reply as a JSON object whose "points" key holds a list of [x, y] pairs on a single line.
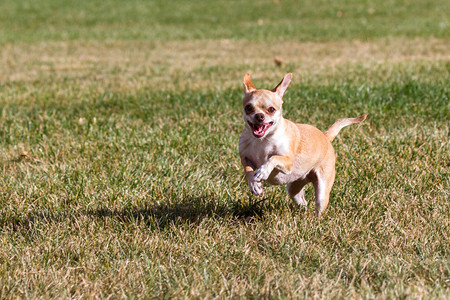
{"points": [[279, 151]]}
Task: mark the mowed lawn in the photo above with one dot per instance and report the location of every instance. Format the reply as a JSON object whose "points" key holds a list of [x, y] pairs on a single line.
{"points": [[119, 167]]}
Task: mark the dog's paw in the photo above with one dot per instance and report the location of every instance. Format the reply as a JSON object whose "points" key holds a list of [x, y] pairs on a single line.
{"points": [[256, 187], [262, 173]]}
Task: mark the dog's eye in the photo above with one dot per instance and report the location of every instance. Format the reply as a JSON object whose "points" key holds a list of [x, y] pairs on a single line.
{"points": [[248, 109], [271, 110]]}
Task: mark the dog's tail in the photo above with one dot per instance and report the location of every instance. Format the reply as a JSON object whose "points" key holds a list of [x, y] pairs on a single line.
{"points": [[333, 131]]}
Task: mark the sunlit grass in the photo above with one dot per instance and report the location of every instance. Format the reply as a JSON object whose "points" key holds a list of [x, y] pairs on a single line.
{"points": [[265, 20], [120, 174]]}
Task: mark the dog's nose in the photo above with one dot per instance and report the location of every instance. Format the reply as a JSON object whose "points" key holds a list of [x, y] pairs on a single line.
{"points": [[259, 117]]}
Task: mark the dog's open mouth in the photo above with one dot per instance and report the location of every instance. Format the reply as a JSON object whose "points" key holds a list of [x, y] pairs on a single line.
{"points": [[259, 130]]}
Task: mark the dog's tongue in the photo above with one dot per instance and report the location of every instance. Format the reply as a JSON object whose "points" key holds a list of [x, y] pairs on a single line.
{"points": [[260, 129]]}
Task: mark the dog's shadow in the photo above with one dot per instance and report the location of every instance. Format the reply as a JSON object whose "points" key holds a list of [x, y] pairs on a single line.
{"points": [[156, 215], [191, 210]]}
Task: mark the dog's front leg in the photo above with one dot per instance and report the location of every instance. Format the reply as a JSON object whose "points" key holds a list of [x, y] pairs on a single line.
{"points": [[255, 187], [282, 163]]}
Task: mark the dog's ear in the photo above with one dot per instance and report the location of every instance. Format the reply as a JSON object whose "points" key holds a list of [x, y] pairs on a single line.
{"points": [[248, 84], [282, 86]]}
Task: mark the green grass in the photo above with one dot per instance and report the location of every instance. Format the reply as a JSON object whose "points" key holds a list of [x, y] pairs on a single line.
{"points": [[119, 164], [35, 20]]}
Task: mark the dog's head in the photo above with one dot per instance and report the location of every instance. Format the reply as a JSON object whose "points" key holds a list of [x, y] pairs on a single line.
{"points": [[262, 108]]}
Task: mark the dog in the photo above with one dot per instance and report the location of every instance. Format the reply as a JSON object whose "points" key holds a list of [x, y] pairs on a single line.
{"points": [[280, 152]]}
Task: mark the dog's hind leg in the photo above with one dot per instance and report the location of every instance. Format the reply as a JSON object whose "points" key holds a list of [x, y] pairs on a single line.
{"points": [[323, 182], [296, 191]]}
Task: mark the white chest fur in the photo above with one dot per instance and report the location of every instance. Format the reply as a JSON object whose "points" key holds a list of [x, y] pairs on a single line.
{"points": [[259, 150]]}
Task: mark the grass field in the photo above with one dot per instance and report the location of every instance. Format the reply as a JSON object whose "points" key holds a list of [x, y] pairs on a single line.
{"points": [[119, 128]]}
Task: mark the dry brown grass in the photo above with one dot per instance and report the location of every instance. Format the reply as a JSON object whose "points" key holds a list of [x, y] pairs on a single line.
{"points": [[181, 65]]}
